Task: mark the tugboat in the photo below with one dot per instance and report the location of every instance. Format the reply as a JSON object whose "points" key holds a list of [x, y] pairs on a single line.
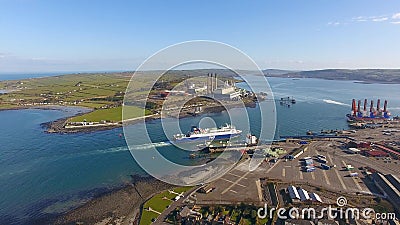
{"points": [[287, 101]]}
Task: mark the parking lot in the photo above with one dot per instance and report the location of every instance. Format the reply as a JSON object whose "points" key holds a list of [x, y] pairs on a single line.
{"points": [[241, 185], [336, 178]]}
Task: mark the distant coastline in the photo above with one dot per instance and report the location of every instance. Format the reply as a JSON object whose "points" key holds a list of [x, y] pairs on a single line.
{"points": [[367, 76], [17, 88], [363, 75]]}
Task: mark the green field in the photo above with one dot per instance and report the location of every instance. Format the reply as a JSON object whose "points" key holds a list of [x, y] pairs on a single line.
{"points": [[90, 90], [102, 92], [159, 203], [111, 114], [147, 217]]}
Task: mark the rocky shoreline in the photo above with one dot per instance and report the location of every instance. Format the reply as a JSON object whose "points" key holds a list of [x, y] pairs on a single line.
{"points": [[58, 126], [119, 206]]}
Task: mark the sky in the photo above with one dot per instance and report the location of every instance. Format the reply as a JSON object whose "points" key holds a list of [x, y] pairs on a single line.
{"points": [[74, 35]]}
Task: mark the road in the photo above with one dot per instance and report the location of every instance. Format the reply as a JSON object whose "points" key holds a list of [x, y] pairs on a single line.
{"points": [[174, 205]]}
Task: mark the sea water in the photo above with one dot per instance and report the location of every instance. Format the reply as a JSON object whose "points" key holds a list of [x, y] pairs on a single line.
{"points": [[45, 174]]}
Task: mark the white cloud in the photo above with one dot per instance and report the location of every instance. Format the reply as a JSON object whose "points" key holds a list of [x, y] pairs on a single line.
{"points": [[380, 19], [38, 58], [387, 18], [396, 16], [360, 19], [4, 55], [333, 24]]}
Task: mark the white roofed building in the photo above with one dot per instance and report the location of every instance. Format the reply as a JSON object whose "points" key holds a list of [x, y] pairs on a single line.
{"points": [[315, 197], [293, 193], [303, 194]]}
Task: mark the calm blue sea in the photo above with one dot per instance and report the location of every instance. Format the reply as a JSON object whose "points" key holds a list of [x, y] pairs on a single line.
{"points": [[44, 174]]}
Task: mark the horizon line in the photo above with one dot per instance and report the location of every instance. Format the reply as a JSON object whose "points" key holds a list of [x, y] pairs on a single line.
{"points": [[60, 72]]}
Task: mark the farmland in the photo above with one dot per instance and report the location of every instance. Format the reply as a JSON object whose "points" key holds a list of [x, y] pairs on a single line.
{"points": [[101, 92], [111, 114]]}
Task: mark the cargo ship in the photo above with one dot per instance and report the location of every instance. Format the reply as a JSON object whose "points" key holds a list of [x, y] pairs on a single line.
{"points": [[197, 134], [374, 114]]}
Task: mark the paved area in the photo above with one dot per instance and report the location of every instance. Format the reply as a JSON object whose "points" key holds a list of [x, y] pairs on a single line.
{"points": [[336, 178], [240, 185]]}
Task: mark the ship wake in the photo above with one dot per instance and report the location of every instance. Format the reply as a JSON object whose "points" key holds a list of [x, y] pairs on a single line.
{"points": [[135, 147], [329, 101], [150, 145]]}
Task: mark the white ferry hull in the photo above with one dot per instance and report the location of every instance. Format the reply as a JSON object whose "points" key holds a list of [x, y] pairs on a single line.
{"points": [[208, 138]]}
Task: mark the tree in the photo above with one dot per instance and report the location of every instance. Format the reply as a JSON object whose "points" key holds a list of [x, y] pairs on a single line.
{"points": [[253, 214]]}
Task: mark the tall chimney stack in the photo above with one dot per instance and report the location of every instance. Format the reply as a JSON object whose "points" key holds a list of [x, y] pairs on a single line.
{"points": [[353, 107], [378, 105], [385, 106], [211, 83], [208, 83], [359, 106], [365, 105], [216, 82], [372, 106]]}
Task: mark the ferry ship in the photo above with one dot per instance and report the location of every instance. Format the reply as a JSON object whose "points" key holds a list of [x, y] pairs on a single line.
{"points": [[198, 134]]}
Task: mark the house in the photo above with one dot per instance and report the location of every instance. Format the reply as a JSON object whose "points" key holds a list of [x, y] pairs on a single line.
{"points": [[186, 212], [315, 197], [303, 194], [327, 222], [376, 153], [206, 189], [298, 222], [294, 195]]}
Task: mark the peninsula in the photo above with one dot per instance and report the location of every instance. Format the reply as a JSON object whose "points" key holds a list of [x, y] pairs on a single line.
{"points": [[103, 94]]}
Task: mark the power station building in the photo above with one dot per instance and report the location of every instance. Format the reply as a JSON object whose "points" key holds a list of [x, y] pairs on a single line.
{"points": [[227, 91]]}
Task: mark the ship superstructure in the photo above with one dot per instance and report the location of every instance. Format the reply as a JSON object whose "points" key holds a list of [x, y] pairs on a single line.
{"points": [[199, 134]]}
